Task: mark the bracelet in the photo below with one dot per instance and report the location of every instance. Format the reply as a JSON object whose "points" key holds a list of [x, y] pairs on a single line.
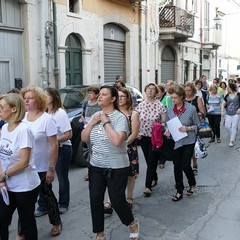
{"points": [[51, 168], [106, 123]]}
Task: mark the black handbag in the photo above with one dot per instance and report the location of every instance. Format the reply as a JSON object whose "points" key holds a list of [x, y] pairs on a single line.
{"points": [[166, 151]]}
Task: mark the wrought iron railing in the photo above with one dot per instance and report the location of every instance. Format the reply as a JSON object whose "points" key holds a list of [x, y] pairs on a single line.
{"points": [[175, 17]]}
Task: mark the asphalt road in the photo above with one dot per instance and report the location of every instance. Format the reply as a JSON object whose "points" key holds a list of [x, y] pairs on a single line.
{"points": [[212, 213]]}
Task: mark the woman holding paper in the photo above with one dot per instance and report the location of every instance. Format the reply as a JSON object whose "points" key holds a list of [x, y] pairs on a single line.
{"points": [[184, 145], [17, 169]]}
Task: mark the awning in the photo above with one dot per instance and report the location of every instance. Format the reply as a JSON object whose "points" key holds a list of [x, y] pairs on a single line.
{"points": [[194, 62]]}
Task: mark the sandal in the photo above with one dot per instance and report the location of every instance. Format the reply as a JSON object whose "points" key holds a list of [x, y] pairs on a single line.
{"points": [[211, 140], [56, 230], [154, 183], [108, 208], [130, 202], [190, 191], [147, 192], [195, 170], [101, 237], [178, 196], [136, 226]]}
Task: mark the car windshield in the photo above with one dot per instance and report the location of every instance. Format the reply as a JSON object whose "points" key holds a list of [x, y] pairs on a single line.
{"points": [[73, 99]]}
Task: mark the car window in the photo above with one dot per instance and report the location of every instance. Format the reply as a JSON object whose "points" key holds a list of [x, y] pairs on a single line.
{"points": [[73, 99]]}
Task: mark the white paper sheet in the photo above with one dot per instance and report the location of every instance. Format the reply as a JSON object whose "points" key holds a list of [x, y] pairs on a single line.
{"points": [[173, 126]]}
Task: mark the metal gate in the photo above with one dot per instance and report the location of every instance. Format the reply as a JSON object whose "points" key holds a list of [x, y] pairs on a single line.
{"points": [[114, 60], [168, 65], [114, 52], [5, 73]]}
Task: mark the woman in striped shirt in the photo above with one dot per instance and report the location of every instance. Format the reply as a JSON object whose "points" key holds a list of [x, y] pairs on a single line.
{"points": [[107, 132]]}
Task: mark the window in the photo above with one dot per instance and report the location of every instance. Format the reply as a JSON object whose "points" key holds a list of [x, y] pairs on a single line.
{"points": [[74, 6]]}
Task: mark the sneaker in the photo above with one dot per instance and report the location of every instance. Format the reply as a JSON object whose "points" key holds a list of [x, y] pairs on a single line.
{"points": [[62, 210], [39, 213], [231, 143]]}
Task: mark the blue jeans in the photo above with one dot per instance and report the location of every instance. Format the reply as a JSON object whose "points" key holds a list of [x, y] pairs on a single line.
{"points": [[62, 168]]}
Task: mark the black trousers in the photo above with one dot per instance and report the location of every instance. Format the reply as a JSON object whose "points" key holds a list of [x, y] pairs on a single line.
{"points": [[146, 146], [214, 122], [182, 163], [116, 182], [24, 202]]}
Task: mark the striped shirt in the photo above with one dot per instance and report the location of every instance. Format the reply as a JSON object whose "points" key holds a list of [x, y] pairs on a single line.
{"points": [[188, 118], [105, 154]]}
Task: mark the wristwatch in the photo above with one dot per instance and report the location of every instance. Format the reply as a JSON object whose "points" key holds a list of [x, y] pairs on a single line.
{"points": [[51, 168], [5, 176]]}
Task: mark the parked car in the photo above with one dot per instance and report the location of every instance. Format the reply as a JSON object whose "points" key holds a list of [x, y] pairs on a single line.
{"points": [[73, 97]]}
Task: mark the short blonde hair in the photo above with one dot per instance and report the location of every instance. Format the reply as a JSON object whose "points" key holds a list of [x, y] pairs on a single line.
{"points": [[192, 86], [39, 94], [212, 87], [15, 100]]}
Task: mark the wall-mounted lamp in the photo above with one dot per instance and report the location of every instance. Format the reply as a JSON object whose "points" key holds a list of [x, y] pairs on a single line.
{"points": [[218, 22]]}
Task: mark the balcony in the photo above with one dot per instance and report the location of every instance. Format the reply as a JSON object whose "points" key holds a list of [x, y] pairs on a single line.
{"points": [[212, 39], [176, 24]]}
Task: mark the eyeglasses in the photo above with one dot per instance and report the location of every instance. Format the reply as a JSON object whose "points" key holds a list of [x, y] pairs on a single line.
{"points": [[122, 96], [151, 89]]}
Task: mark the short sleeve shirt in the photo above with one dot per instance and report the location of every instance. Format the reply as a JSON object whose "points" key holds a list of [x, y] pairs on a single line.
{"points": [[104, 154], [149, 113], [10, 145], [63, 124], [42, 128]]}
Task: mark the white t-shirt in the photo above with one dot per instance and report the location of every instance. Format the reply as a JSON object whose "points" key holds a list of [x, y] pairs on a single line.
{"points": [[42, 128], [10, 145], [63, 124]]}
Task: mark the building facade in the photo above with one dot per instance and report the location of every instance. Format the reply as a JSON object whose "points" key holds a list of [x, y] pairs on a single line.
{"points": [[64, 42]]}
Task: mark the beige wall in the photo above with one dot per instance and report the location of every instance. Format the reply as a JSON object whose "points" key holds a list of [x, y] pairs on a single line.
{"points": [[106, 7]]}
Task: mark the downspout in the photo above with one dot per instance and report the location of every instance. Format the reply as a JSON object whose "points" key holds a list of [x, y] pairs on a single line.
{"points": [[201, 37], [43, 19], [56, 70], [141, 32]]}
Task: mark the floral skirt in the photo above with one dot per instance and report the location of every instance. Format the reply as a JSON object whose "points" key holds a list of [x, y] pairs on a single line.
{"points": [[133, 159]]}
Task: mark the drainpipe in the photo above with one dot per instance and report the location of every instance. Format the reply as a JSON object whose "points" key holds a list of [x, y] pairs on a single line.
{"points": [[43, 14], [56, 69], [143, 61], [201, 37]]}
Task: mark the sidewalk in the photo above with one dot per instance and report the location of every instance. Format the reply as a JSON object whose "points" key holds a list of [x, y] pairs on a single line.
{"points": [[212, 213]]}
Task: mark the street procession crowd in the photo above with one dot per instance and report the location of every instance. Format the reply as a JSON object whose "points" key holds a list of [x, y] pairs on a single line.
{"points": [[35, 144]]}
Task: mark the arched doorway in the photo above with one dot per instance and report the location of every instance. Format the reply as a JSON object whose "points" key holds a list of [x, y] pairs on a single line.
{"points": [[73, 60], [114, 52], [168, 65]]}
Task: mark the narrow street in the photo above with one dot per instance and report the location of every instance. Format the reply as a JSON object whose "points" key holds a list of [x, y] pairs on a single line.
{"points": [[213, 212]]}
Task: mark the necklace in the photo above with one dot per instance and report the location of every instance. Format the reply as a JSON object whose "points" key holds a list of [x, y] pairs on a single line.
{"points": [[179, 111]]}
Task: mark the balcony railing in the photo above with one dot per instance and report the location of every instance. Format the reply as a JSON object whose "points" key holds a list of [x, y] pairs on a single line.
{"points": [[212, 38], [176, 23]]}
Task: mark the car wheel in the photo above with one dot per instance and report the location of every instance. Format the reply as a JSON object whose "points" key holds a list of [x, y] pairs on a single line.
{"points": [[82, 155]]}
